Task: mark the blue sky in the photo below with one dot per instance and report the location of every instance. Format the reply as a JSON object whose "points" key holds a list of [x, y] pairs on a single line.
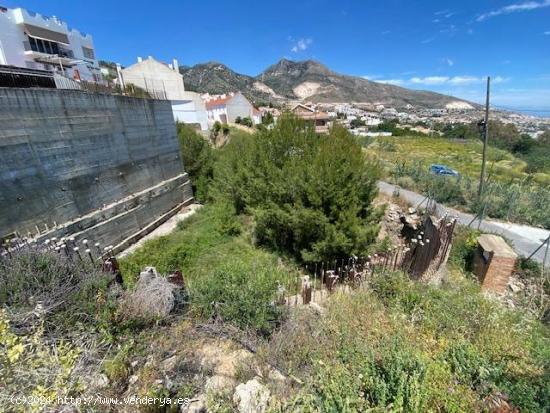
{"points": [[445, 46]]}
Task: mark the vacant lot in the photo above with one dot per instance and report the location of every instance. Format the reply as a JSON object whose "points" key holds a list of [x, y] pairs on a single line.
{"points": [[462, 155], [511, 193]]}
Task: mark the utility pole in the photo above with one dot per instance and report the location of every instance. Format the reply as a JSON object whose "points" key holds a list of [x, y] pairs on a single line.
{"points": [[485, 139]]}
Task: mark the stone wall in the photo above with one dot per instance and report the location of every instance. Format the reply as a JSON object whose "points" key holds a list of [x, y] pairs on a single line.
{"points": [[98, 165]]}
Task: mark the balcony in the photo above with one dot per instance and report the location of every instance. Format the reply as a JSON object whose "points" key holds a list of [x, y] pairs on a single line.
{"points": [[49, 52]]}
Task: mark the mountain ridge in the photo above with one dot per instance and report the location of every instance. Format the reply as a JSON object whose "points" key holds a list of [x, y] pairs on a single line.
{"points": [[308, 80]]}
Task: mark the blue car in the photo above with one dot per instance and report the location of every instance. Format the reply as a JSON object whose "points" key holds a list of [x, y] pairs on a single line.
{"points": [[443, 170]]}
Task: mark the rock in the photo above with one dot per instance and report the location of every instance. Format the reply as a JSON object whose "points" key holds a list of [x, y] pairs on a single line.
{"points": [[317, 308], [100, 381], [147, 275], [170, 363], [251, 397], [412, 211], [218, 384], [514, 287], [196, 405], [133, 379], [134, 363], [276, 375]]}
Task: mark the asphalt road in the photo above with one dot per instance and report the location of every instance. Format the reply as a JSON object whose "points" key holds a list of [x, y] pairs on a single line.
{"points": [[525, 239]]}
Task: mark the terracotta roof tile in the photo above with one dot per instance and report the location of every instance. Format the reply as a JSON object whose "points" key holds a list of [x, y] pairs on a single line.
{"points": [[217, 102]]}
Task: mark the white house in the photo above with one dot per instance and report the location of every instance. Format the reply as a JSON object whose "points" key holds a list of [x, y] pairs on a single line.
{"points": [[191, 109], [33, 41], [227, 108], [156, 77], [166, 82]]}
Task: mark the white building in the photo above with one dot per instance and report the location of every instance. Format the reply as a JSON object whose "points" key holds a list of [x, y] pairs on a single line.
{"points": [[191, 109], [227, 108], [156, 77], [33, 41], [166, 82]]}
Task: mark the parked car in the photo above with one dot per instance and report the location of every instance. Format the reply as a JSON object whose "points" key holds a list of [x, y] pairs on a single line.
{"points": [[443, 170]]}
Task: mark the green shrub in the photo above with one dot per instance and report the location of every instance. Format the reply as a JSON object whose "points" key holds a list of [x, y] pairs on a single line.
{"points": [[404, 346], [30, 366], [310, 195], [198, 159], [463, 247], [241, 294], [117, 368]]}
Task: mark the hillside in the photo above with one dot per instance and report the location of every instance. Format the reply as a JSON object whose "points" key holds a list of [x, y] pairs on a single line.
{"points": [[211, 317], [215, 78], [307, 80]]}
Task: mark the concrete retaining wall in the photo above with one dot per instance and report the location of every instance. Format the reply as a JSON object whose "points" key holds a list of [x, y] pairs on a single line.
{"points": [[100, 165]]}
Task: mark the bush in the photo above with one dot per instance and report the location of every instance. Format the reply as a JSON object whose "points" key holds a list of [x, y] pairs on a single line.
{"points": [[247, 122], [241, 294], [463, 247], [198, 159], [31, 367], [409, 347], [310, 195], [67, 289]]}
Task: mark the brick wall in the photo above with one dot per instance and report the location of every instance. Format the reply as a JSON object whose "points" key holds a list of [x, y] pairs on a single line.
{"points": [[492, 271]]}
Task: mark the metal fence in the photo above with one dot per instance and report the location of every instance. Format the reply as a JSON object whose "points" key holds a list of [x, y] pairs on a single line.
{"points": [[17, 77], [25, 78], [421, 256]]}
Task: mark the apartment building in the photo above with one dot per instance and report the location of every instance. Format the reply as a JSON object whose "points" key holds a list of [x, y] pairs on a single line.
{"points": [[33, 41]]}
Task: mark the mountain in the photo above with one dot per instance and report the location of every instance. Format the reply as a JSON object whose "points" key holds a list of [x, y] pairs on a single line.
{"points": [[309, 81], [216, 78]]}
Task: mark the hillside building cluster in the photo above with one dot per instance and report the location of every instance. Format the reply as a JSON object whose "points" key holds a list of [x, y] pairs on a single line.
{"points": [[42, 46]]}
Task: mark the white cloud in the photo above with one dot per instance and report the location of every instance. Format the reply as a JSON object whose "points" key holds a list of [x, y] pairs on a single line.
{"points": [[500, 79], [449, 62], [536, 99], [444, 80], [301, 44], [371, 77], [397, 82], [514, 8], [430, 80], [547, 33], [465, 80]]}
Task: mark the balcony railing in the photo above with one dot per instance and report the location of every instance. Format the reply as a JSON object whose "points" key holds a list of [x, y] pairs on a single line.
{"points": [[66, 53], [61, 51]]}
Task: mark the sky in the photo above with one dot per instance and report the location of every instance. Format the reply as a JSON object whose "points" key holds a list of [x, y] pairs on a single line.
{"points": [[444, 46]]}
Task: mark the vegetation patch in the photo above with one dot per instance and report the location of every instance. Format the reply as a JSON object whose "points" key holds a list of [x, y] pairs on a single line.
{"points": [[310, 196], [405, 346], [511, 191]]}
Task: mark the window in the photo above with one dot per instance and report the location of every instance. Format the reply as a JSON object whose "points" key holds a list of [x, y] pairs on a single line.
{"points": [[40, 44], [32, 42], [88, 52], [43, 46]]}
